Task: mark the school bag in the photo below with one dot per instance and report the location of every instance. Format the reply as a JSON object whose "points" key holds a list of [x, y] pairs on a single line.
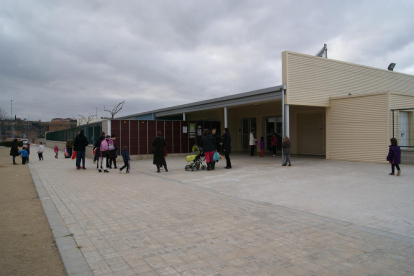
{"points": [[104, 145], [111, 145]]}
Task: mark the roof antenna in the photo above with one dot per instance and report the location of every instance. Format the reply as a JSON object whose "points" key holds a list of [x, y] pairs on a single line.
{"points": [[323, 53], [391, 67]]}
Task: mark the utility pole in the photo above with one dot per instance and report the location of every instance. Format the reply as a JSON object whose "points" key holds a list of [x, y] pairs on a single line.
{"points": [[11, 119]]}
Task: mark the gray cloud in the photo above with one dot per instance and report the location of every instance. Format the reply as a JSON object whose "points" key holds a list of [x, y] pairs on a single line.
{"points": [[62, 58]]}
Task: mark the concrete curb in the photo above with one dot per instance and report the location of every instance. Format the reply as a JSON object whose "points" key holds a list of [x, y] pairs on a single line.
{"points": [[73, 260]]}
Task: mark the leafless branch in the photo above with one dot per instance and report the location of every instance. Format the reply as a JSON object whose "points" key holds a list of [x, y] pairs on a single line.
{"points": [[116, 109], [86, 119]]}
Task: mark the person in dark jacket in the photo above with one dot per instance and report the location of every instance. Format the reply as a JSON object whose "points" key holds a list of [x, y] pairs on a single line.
{"points": [[80, 146], [394, 156], [226, 146], [14, 151], [286, 150], [158, 150], [125, 157], [101, 153], [69, 146], [209, 146], [217, 138]]}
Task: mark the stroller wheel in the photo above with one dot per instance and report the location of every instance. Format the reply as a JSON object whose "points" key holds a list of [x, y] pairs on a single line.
{"points": [[187, 167], [203, 167], [194, 169]]}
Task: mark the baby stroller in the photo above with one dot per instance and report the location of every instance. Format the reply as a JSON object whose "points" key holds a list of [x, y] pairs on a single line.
{"points": [[195, 159]]}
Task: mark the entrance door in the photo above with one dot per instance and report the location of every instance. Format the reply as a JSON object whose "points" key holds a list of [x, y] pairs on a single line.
{"points": [[247, 125], [403, 131], [273, 125], [311, 133]]}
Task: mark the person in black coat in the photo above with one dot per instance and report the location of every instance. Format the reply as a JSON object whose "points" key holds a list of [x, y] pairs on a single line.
{"points": [[79, 145], [158, 150], [209, 146], [226, 146], [14, 151]]}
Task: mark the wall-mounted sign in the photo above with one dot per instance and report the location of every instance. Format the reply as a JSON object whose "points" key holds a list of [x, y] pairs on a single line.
{"points": [[192, 127], [192, 135], [184, 129], [199, 133]]}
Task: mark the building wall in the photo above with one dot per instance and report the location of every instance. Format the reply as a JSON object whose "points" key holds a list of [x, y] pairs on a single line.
{"points": [[400, 101], [358, 128], [311, 81]]}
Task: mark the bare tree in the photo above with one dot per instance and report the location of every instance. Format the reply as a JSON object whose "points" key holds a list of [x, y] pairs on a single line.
{"points": [[116, 109], [4, 115], [86, 119]]}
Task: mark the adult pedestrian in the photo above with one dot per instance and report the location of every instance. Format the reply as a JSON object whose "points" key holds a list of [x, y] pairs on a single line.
{"points": [[252, 142], [101, 146], [208, 144], [80, 146], [286, 150], [69, 146], [158, 150], [217, 139], [226, 146], [274, 143], [14, 151]]}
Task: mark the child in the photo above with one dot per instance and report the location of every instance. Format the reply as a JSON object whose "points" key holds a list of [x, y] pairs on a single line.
{"points": [[286, 150], [56, 150], [127, 160], [28, 151], [40, 150], [394, 156], [24, 154], [261, 146]]}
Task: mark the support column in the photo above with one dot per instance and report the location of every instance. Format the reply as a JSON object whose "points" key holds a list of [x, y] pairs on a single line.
{"points": [[184, 116], [283, 119], [109, 127], [287, 125], [225, 116]]}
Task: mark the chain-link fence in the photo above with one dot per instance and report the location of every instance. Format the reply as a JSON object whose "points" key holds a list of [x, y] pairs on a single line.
{"points": [[403, 126], [92, 132]]}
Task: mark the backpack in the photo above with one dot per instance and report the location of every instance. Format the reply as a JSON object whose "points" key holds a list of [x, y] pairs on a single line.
{"points": [[111, 145], [104, 145]]}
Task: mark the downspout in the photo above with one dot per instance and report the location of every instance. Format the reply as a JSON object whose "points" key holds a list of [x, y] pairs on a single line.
{"points": [[283, 117]]}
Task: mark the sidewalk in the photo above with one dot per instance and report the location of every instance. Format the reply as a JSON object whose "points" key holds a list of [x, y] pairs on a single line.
{"points": [[180, 223]]}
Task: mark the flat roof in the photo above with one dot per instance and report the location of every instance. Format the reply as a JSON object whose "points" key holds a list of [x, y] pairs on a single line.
{"points": [[264, 94]]}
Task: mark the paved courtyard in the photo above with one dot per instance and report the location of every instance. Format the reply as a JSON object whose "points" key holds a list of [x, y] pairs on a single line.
{"points": [[318, 217]]}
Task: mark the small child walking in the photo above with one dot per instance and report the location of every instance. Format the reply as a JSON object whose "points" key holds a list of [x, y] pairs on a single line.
{"points": [[28, 152], [394, 156], [40, 150], [56, 150], [262, 146], [286, 150], [126, 158], [24, 154]]}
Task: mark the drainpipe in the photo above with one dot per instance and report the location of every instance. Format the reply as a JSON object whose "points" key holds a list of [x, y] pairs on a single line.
{"points": [[109, 127], [225, 116]]}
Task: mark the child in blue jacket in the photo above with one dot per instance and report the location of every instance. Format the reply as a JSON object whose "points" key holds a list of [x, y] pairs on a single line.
{"points": [[24, 154], [126, 158]]}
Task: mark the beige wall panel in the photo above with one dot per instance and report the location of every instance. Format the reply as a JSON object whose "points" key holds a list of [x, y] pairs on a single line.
{"points": [[312, 81], [399, 101], [358, 128], [293, 126], [311, 133]]}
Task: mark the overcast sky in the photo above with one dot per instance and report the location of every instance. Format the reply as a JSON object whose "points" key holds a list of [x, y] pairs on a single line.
{"points": [[64, 58]]}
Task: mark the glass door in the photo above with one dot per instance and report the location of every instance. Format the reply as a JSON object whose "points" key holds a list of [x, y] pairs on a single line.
{"points": [[247, 125], [273, 125]]}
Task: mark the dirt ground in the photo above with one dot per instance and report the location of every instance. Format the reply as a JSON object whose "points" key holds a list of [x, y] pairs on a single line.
{"points": [[27, 246]]}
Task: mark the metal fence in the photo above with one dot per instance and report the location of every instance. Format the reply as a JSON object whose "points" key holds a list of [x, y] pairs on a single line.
{"points": [[92, 132], [403, 126]]}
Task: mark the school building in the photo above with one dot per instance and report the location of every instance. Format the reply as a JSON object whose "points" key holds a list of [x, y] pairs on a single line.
{"points": [[326, 107]]}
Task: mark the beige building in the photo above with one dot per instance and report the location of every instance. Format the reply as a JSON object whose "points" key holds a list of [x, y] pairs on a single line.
{"points": [[327, 107]]}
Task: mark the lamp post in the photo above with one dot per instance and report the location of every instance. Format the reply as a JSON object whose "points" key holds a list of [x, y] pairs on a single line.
{"points": [[11, 118]]}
